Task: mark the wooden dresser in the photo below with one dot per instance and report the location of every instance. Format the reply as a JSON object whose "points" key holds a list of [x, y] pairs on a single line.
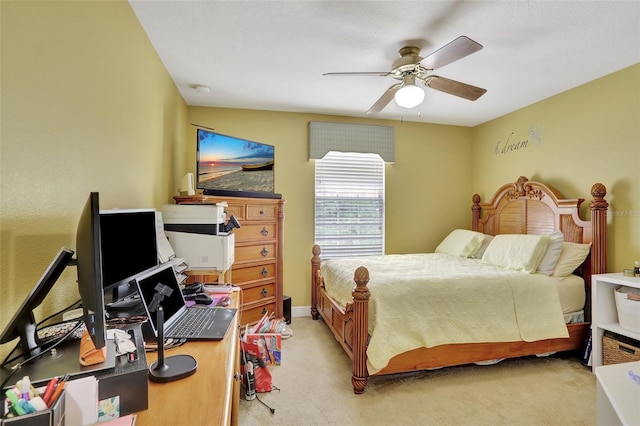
{"points": [[257, 268]]}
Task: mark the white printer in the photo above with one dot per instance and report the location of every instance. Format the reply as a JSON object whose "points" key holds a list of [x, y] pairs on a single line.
{"points": [[198, 233]]}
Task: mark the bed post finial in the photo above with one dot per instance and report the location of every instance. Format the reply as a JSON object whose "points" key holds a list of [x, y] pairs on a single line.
{"points": [[598, 191], [475, 212], [599, 209]]}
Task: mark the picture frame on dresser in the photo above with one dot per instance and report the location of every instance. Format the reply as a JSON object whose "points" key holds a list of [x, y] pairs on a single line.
{"points": [[258, 264]]}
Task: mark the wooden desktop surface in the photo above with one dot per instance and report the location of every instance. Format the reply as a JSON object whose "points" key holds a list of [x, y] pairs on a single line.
{"points": [[211, 395]]}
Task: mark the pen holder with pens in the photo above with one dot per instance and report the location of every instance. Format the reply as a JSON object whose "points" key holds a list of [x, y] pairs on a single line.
{"points": [[52, 416]]}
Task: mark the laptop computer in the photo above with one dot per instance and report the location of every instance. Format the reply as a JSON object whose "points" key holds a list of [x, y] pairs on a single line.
{"points": [[180, 321]]}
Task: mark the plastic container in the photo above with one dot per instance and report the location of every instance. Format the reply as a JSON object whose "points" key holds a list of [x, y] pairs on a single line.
{"points": [[628, 309]]}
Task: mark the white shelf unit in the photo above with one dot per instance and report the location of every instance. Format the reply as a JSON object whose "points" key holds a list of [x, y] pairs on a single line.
{"points": [[604, 315]]}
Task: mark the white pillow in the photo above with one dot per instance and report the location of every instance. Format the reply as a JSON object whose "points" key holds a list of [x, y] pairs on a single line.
{"points": [[461, 242], [572, 256], [483, 247], [516, 251], [552, 254]]}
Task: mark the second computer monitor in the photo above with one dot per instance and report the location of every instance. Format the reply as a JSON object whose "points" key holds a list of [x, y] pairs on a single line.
{"points": [[129, 247]]}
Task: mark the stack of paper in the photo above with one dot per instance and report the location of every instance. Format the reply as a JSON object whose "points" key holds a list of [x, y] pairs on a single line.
{"points": [[267, 324]]}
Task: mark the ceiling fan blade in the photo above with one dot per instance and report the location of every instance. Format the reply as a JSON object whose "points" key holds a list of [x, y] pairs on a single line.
{"points": [[380, 73], [457, 49], [455, 88], [385, 99]]}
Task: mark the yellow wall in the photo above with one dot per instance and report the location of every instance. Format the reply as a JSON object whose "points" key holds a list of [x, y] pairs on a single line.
{"points": [[432, 163], [87, 105], [585, 135]]}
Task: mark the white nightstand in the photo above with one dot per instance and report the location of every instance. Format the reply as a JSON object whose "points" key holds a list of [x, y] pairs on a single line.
{"points": [[618, 394], [604, 315]]}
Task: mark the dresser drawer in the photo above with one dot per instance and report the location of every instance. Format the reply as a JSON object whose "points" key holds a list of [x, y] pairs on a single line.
{"points": [[261, 212], [253, 314], [257, 293], [253, 273], [255, 253], [236, 210], [255, 232]]}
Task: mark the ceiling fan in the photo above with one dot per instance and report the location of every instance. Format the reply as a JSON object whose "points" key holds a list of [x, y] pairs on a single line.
{"points": [[411, 67]]}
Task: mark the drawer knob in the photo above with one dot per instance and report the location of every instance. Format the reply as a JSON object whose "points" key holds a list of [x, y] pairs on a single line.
{"points": [[264, 252], [264, 292], [265, 231], [264, 311], [261, 212], [264, 272]]}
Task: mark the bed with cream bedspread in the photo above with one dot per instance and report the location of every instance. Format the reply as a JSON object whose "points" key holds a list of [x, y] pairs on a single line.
{"points": [[431, 299]]}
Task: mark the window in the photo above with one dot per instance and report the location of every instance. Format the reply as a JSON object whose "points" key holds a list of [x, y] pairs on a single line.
{"points": [[349, 204]]}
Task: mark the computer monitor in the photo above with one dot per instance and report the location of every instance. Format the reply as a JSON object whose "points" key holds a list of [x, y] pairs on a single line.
{"points": [[129, 247], [23, 324], [89, 263]]}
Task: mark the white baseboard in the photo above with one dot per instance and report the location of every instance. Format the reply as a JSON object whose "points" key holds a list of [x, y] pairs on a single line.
{"points": [[300, 311]]}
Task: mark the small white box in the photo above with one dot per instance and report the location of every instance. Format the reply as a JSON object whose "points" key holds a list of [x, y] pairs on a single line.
{"points": [[628, 309]]}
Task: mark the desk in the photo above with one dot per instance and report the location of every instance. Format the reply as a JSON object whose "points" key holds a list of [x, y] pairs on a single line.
{"points": [[618, 395], [211, 395]]}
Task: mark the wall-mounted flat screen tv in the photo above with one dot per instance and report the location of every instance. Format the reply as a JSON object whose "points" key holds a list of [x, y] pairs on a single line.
{"points": [[231, 166]]}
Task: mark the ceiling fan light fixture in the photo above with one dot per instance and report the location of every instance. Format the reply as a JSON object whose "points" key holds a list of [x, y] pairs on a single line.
{"points": [[409, 95]]}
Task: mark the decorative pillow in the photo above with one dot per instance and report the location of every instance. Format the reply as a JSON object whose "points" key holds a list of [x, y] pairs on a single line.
{"points": [[516, 251], [572, 256], [552, 254], [483, 247], [461, 242]]}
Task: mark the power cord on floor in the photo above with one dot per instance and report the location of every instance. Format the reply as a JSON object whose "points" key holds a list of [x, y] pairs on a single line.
{"points": [[273, 410]]}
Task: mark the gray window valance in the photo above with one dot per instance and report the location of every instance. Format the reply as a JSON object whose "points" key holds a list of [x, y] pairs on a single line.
{"points": [[342, 137]]}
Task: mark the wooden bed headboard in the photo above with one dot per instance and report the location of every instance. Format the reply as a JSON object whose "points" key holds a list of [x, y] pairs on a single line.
{"points": [[527, 207]]}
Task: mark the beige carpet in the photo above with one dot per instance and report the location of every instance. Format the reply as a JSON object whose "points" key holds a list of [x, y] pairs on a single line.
{"points": [[315, 389]]}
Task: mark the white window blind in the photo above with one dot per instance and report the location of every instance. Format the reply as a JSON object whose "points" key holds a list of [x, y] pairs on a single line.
{"points": [[349, 204]]}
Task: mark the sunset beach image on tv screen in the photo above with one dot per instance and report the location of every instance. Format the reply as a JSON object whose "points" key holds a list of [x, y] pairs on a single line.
{"points": [[233, 164]]}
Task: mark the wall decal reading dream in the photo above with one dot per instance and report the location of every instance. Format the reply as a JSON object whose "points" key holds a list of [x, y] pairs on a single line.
{"points": [[512, 144]]}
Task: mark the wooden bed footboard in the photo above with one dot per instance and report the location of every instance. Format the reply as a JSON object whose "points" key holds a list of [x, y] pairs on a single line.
{"points": [[350, 324], [350, 328]]}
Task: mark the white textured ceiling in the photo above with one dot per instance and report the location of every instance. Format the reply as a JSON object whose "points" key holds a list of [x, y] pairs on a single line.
{"points": [[270, 55]]}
